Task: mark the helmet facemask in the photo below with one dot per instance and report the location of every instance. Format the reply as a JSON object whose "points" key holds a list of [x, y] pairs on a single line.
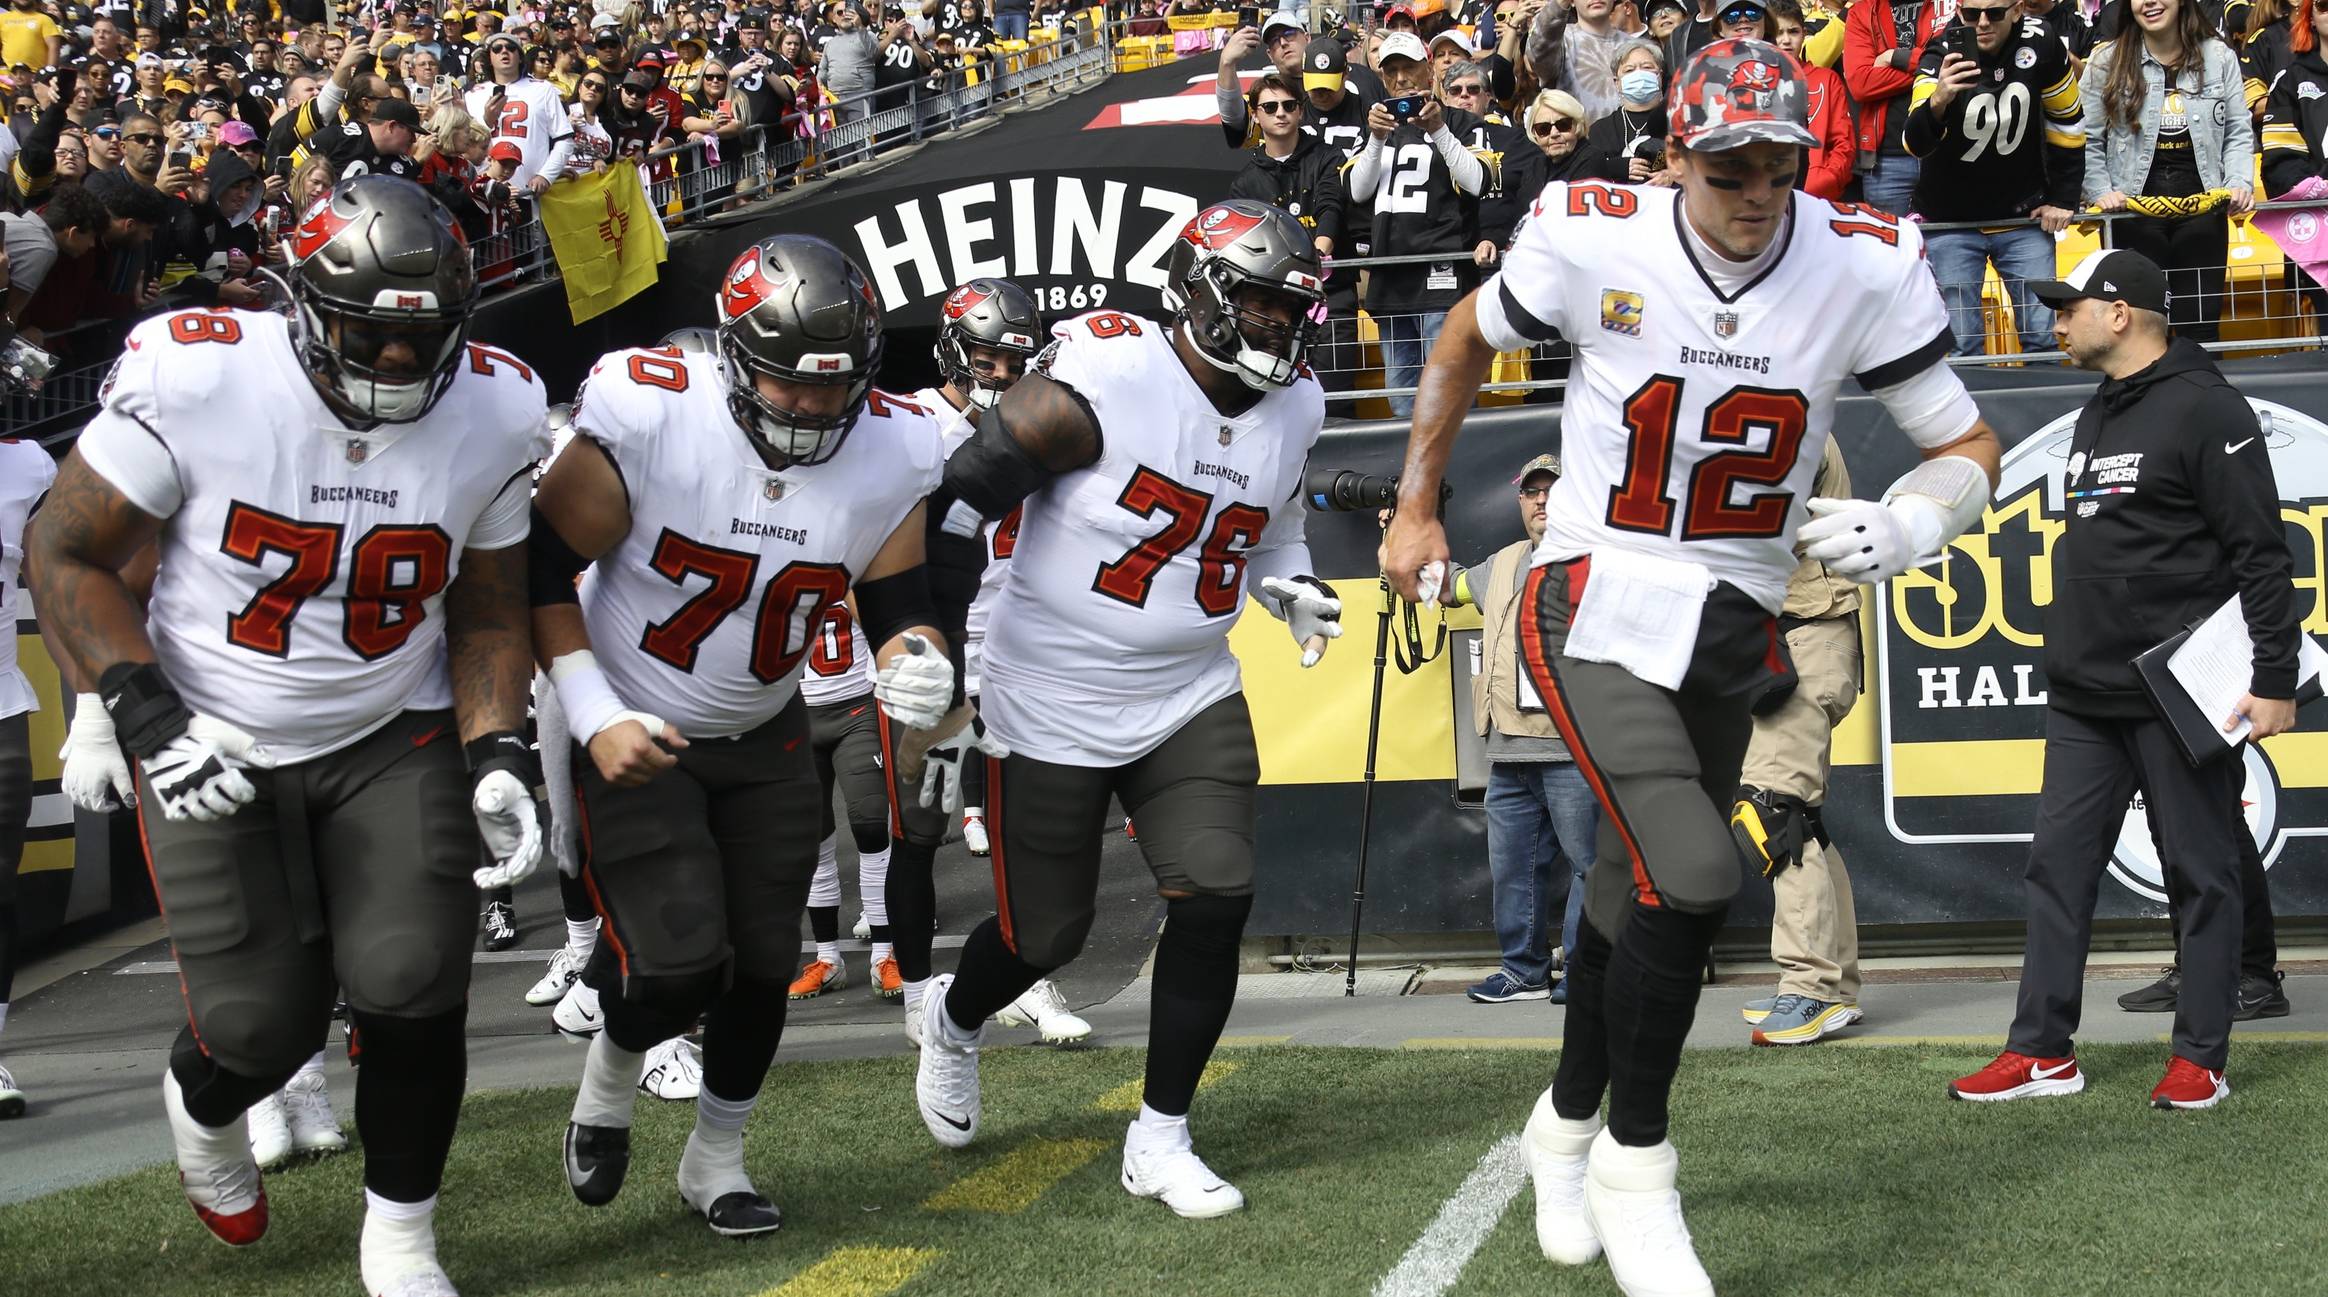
{"points": [[1228, 326], [343, 346], [959, 367], [792, 439]]}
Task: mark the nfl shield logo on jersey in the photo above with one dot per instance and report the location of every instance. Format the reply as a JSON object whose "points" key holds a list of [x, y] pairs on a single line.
{"points": [[358, 450], [773, 488], [1725, 324]]}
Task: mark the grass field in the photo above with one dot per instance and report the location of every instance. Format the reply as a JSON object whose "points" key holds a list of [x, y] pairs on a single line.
{"points": [[1825, 1171]]}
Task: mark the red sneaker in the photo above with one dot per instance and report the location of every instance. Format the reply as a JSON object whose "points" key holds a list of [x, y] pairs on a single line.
{"points": [[2188, 1085], [2018, 1076]]}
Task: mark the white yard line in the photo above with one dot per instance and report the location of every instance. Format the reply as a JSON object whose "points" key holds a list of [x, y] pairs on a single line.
{"points": [[1464, 1221]]}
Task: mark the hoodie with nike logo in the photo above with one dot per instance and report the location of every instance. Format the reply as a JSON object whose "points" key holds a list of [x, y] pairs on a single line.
{"points": [[2170, 509]]}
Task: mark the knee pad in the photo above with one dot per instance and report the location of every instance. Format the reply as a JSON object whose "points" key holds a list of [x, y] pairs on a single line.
{"points": [[1054, 944], [408, 976], [870, 835], [261, 1038], [1206, 924], [426, 1042], [649, 1010]]}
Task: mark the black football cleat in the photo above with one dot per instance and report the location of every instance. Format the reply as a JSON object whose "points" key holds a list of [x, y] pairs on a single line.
{"points": [[740, 1214], [597, 1158]]}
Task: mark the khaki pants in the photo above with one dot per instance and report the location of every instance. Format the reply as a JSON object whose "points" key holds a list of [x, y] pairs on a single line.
{"points": [[1814, 933]]}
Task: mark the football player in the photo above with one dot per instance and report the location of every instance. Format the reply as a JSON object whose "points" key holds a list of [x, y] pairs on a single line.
{"points": [[844, 731], [337, 623], [722, 505], [1713, 327], [988, 330], [1157, 466], [25, 473]]}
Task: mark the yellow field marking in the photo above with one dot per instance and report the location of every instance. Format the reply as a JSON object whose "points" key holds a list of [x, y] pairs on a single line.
{"points": [[1480, 1042], [1252, 1042], [857, 1272], [1888, 1042], [1126, 1097], [1012, 1184]]}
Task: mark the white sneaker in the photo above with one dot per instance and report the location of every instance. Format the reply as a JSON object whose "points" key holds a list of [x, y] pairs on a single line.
{"points": [[564, 970], [11, 1098], [315, 1127], [1043, 1009], [946, 1083], [974, 834], [1174, 1175], [217, 1172], [270, 1126], [577, 1014], [864, 929], [1635, 1212], [1556, 1162], [673, 1070]]}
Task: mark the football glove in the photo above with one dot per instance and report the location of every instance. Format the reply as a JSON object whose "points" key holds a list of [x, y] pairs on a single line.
{"points": [[503, 774], [934, 758], [1769, 829], [917, 687], [1867, 542], [199, 774], [96, 776], [1308, 608]]}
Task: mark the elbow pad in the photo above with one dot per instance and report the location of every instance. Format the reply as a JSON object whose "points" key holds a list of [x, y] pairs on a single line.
{"points": [[551, 565], [992, 472]]}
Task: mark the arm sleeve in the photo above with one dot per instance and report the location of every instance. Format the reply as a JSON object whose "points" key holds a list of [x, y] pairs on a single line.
{"points": [[508, 519], [1283, 550], [1824, 47], [1366, 169], [2239, 499], [1523, 303], [1463, 166], [2065, 134]]}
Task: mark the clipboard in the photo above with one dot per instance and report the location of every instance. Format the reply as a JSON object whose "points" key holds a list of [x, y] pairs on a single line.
{"points": [[2199, 733]]}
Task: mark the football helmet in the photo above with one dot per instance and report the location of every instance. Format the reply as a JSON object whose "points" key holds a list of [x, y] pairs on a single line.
{"points": [[1737, 91], [796, 308], [1245, 249], [382, 291], [992, 313], [694, 339]]}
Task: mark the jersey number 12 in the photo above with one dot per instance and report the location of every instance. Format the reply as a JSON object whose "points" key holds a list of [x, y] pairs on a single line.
{"points": [[1643, 501]]}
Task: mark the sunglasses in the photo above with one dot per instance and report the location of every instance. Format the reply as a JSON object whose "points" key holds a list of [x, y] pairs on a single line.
{"points": [[1543, 130], [1465, 91], [1974, 16], [1275, 107], [715, 76], [108, 133], [147, 138], [599, 86], [634, 90]]}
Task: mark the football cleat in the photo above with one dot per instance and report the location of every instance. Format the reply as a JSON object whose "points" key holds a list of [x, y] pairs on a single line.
{"points": [[1630, 1201], [974, 833], [11, 1098], [425, 1280], [315, 1127], [2018, 1076], [888, 983], [818, 978], [712, 1182], [1557, 1159], [2189, 1086], [565, 969], [913, 1024], [399, 1258], [864, 929], [577, 1013], [946, 1084], [217, 1172], [270, 1127], [673, 1070], [1042, 1008], [1174, 1175], [500, 925], [597, 1158]]}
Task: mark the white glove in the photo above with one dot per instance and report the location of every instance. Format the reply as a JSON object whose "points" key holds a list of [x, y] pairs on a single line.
{"points": [[96, 775], [941, 780], [199, 774], [1308, 608], [917, 687], [512, 831], [1870, 542]]}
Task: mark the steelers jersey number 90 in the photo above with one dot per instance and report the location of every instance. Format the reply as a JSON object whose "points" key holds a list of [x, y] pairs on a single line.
{"points": [[1643, 500], [792, 606]]}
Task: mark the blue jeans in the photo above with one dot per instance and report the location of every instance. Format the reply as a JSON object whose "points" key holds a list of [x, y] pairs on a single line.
{"points": [[1538, 814], [1406, 341], [1011, 27], [1960, 259], [1892, 185]]}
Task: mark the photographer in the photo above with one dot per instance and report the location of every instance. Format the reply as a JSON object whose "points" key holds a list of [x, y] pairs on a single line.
{"points": [[1987, 71], [1425, 187]]}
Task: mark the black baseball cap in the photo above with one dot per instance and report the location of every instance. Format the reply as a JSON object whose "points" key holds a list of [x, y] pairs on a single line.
{"points": [[398, 111], [1325, 65], [2111, 275]]}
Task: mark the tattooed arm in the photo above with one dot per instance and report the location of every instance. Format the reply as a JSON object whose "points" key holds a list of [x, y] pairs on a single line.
{"points": [[487, 638], [85, 534]]}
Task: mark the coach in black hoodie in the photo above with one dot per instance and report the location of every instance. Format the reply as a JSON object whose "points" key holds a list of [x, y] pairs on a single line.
{"points": [[2170, 509]]}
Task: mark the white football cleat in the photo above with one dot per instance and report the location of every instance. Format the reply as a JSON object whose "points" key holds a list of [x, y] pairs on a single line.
{"points": [[1556, 1162], [1042, 1008], [1174, 1175], [864, 929], [673, 1070], [565, 969], [270, 1125], [946, 1083], [217, 1172], [11, 1098], [913, 1024], [974, 833], [577, 1014], [1636, 1213], [398, 1259], [315, 1127]]}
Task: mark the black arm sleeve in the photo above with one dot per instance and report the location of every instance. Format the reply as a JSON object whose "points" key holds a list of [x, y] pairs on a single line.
{"points": [[891, 605], [992, 472], [550, 565], [2239, 499]]}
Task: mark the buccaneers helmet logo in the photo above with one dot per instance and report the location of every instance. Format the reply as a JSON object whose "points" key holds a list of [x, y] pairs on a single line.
{"points": [[962, 301]]}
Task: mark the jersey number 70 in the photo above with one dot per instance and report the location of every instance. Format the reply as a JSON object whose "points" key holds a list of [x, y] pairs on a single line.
{"points": [[1643, 500]]}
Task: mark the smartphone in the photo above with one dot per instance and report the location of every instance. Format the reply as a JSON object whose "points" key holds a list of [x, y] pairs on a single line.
{"points": [[1959, 39], [1404, 106], [201, 131], [1248, 15], [182, 158]]}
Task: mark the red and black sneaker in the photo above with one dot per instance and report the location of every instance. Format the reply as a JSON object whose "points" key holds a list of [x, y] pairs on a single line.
{"points": [[2018, 1076], [2188, 1085]]}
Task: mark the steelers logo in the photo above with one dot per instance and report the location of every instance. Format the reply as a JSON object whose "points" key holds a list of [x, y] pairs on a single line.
{"points": [[2025, 58]]}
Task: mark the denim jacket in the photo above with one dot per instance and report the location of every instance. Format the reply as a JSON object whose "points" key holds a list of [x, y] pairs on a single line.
{"points": [[2118, 157]]}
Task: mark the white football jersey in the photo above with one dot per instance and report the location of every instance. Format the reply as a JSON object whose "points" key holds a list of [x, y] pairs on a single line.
{"points": [[304, 564], [532, 116], [1000, 538], [705, 612], [840, 665], [26, 471], [1126, 575], [1695, 416]]}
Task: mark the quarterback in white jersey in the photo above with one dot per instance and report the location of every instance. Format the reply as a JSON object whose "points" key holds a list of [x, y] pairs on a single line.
{"points": [[1713, 327], [722, 505], [525, 111], [1158, 465], [338, 621], [25, 473]]}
